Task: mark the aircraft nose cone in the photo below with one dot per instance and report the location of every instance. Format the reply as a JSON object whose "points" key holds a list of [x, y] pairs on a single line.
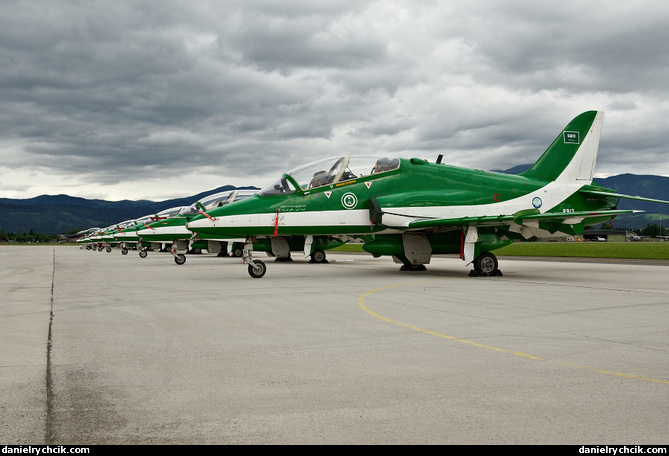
{"points": [[194, 225]]}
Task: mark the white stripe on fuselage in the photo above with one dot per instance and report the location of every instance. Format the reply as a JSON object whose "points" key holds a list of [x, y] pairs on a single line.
{"points": [[551, 195], [162, 230], [354, 217]]}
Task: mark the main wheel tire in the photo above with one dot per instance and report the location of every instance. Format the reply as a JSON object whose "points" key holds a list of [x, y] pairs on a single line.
{"points": [[142, 254], [486, 264], [318, 256]]}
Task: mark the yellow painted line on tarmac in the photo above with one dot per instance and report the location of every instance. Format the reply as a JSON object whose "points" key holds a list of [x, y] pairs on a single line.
{"points": [[361, 302], [363, 306]]}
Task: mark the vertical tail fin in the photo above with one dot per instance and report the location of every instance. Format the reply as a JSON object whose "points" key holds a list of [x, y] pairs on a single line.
{"points": [[573, 154]]}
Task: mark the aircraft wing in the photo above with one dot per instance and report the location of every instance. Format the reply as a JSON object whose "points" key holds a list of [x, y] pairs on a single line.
{"points": [[460, 221], [492, 220]]}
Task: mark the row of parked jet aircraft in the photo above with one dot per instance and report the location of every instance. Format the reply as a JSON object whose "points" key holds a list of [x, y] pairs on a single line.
{"points": [[409, 209]]}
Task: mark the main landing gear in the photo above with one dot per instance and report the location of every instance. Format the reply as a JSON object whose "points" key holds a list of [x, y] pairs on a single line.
{"points": [[413, 268], [318, 257], [485, 265]]}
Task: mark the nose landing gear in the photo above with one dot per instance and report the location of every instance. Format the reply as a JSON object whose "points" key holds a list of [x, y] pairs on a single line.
{"points": [[257, 268]]}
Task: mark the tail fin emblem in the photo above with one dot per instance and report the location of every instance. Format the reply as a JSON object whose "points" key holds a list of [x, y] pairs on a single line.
{"points": [[572, 137]]}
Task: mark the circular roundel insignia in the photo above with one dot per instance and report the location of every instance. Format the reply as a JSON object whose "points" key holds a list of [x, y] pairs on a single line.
{"points": [[536, 202], [349, 200]]}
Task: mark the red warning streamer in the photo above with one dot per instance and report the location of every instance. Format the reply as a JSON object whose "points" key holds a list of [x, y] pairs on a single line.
{"points": [[276, 224], [207, 215]]}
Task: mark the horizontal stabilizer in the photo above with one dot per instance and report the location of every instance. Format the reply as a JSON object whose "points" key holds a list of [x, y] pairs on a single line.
{"points": [[620, 195], [574, 215]]}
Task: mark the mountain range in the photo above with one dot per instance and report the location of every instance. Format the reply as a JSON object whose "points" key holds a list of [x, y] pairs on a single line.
{"points": [[60, 214]]}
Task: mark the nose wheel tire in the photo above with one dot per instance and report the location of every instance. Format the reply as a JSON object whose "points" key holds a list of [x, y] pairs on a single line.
{"points": [[257, 269], [180, 258]]}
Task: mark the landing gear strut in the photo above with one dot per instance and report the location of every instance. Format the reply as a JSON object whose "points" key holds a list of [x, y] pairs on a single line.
{"points": [[257, 268]]}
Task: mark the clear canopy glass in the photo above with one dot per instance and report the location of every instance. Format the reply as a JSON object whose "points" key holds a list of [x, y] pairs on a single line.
{"points": [[217, 200], [328, 172], [171, 212]]}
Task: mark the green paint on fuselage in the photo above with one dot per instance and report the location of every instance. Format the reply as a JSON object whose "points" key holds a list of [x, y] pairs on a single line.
{"points": [[415, 183]]}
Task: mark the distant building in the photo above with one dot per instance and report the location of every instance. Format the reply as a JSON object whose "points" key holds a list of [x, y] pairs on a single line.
{"points": [[602, 236]]}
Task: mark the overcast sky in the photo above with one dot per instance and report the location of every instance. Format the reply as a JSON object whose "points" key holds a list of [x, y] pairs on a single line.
{"points": [[126, 99]]}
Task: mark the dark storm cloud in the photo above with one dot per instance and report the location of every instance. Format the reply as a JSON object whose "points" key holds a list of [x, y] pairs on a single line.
{"points": [[127, 98]]}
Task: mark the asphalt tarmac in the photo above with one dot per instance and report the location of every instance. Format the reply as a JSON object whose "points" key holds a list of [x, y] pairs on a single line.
{"points": [[102, 348]]}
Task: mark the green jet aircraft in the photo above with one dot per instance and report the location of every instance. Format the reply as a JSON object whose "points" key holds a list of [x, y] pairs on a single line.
{"points": [[411, 209], [102, 238], [171, 227], [127, 236]]}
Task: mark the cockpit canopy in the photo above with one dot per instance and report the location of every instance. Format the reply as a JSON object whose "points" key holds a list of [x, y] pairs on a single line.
{"points": [[144, 219], [328, 172], [168, 213], [217, 200], [126, 224]]}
